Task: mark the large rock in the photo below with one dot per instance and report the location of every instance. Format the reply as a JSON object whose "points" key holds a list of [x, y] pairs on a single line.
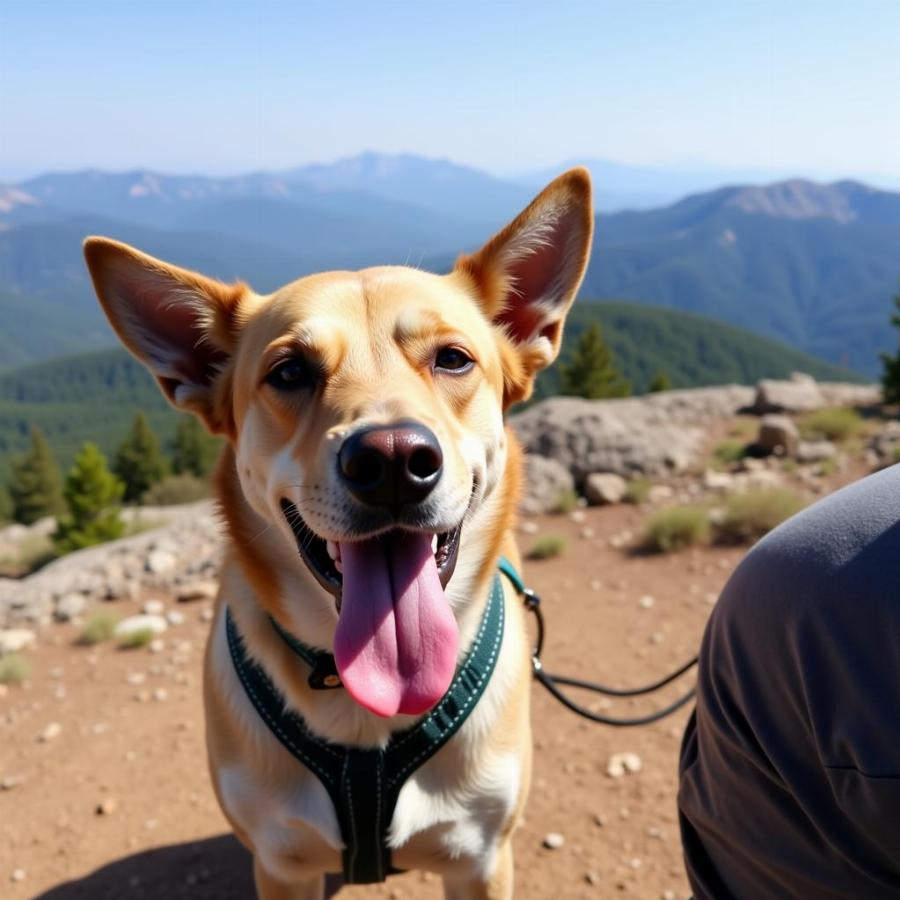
{"points": [[799, 394], [601, 488], [545, 481], [143, 622], [778, 434], [815, 451], [653, 435]]}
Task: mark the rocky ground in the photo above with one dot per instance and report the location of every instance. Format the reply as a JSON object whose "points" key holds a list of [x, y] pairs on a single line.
{"points": [[103, 785]]}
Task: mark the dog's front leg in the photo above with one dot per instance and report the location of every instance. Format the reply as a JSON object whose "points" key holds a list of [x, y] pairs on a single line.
{"points": [[499, 886], [269, 888]]}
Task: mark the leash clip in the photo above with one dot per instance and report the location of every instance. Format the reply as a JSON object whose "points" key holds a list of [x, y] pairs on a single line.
{"points": [[530, 599]]}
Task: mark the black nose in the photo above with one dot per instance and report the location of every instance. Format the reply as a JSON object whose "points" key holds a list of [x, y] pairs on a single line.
{"points": [[389, 465]]}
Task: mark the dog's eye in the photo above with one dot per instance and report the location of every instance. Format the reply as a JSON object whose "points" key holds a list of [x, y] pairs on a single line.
{"points": [[290, 375], [452, 359]]}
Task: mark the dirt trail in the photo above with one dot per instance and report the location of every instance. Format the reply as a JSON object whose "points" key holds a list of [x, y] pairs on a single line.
{"points": [[131, 744]]}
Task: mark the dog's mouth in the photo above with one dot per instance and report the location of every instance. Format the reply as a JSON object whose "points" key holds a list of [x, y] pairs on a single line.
{"points": [[396, 641], [323, 557]]}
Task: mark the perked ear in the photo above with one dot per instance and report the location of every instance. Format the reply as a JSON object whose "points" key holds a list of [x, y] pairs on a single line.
{"points": [[527, 275], [179, 324]]}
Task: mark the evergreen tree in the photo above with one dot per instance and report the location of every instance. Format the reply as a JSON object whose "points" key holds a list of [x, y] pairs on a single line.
{"points": [[194, 449], [35, 487], [139, 462], [890, 378], [6, 507], [590, 369], [659, 382], [93, 495]]}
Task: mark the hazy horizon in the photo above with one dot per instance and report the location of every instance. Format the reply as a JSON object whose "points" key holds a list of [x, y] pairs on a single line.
{"points": [[225, 88]]}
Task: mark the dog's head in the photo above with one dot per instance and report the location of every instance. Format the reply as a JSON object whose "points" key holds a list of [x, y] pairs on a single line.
{"points": [[365, 415]]}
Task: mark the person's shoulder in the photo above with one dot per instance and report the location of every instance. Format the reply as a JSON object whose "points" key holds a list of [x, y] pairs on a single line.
{"points": [[843, 549]]}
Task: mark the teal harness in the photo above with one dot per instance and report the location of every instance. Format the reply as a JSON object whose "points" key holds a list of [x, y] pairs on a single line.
{"points": [[364, 784]]}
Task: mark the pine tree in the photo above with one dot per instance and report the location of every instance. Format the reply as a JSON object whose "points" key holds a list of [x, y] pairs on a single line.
{"points": [[139, 462], [194, 449], [890, 378], [590, 370], [35, 487], [659, 382], [93, 495]]}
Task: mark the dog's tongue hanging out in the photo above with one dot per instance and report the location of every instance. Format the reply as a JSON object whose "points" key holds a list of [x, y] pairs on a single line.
{"points": [[396, 640]]}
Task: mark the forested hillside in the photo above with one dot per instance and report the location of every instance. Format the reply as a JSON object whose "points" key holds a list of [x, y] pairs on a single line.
{"points": [[94, 396]]}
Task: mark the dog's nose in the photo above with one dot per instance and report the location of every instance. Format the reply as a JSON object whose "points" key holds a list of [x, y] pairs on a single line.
{"points": [[390, 465]]}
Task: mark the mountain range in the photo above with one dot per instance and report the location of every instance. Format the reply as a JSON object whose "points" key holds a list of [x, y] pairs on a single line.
{"points": [[813, 265]]}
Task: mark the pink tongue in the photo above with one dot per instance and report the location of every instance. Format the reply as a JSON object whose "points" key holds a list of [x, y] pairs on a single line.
{"points": [[396, 640]]}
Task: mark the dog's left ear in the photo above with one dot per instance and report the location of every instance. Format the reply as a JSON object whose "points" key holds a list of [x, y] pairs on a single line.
{"points": [[527, 275]]}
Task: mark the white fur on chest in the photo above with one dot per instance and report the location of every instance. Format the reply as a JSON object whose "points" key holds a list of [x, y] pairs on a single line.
{"points": [[441, 821]]}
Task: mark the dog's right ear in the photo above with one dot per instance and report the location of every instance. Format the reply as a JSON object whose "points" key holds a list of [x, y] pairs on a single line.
{"points": [[182, 326]]}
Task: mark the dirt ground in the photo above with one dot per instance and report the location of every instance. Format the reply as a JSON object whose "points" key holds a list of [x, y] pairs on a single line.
{"points": [[119, 805]]}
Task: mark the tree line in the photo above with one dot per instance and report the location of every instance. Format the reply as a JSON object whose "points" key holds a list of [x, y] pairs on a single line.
{"points": [[87, 502]]}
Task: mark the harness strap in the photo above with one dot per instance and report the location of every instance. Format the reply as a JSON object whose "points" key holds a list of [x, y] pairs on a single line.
{"points": [[364, 784]]}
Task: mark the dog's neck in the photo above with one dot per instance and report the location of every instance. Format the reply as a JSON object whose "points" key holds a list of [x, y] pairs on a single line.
{"points": [[263, 575]]}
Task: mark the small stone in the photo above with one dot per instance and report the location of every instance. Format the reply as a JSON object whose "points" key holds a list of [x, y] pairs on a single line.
{"points": [[587, 532], [133, 624], [603, 488], [175, 617], [635, 863], [599, 821], [135, 678], [197, 590], [157, 645], [69, 607], [13, 640], [8, 782], [52, 731], [160, 562], [592, 878], [668, 895], [529, 527], [106, 807], [160, 694], [153, 608], [17, 875], [553, 840], [621, 763], [647, 602], [577, 516]]}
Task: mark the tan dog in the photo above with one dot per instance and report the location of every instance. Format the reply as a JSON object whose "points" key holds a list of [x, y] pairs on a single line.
{"points": [[364, 414]]}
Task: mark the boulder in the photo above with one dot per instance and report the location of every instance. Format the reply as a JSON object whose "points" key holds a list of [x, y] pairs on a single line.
{"points": [[545, 481], [601, 488], [778, 434], [653, 435], [800, 394], [197, 590]]}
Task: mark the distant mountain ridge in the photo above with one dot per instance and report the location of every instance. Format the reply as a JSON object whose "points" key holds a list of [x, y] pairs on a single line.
{"points": [[812, 264]]}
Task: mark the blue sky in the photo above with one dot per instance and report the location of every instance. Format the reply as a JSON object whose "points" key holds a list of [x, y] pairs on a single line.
{"points": [[787, 86]]}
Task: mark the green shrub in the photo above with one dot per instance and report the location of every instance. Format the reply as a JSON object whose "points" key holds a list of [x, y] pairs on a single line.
{"points": [[547, 546], [676, 528], [751, 514], [133, 640], [176, 489], [100, 627], [139, 463], [638, 490], [565, 502], [729, 451], [92, 495], [836, 424], [14, 669]]}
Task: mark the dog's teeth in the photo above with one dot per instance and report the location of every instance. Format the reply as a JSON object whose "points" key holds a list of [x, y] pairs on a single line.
{"points": [[334, 549], [434, 542]]}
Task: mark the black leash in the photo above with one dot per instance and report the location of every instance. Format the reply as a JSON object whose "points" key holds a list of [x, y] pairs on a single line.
{"points": [[552, 682]]}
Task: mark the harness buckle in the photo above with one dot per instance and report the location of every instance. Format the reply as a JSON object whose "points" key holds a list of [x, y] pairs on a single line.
{"points": [[324, 675]]}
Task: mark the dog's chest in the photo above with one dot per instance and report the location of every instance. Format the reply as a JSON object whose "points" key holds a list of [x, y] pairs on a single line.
{"points": [[292, 824]]}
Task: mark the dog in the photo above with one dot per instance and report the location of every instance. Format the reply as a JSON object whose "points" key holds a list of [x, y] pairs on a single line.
{"points": [[368, 485]]}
